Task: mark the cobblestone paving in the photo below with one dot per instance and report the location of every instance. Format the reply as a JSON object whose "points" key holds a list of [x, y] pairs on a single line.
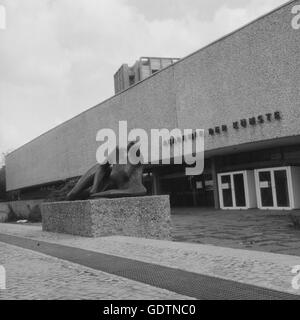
{"points": [[268, 270], [32, 275], [261, 230]]}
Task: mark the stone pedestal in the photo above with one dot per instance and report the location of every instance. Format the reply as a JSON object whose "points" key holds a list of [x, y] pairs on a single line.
{"points": [[145, 217]]}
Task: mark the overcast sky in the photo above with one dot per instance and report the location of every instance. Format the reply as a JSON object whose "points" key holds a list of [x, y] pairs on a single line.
{"points": [[58, 57]]}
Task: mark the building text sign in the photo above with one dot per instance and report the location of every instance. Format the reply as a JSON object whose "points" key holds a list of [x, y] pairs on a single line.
{"points": [[247, 122]]}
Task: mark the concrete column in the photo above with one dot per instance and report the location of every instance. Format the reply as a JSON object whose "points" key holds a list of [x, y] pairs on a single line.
{"points": [[215, 180], [194, 191], [155, 183]]}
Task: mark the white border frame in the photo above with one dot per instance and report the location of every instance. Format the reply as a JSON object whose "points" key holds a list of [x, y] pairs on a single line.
{"points": [[290, 188], [246, 188]]}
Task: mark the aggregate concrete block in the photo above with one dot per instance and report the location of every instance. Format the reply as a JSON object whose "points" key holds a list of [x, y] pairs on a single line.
{"points": [[146, 217]]}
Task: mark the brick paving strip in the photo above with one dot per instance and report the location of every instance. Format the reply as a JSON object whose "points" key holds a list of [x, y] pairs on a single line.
{"points": [[263, 269], [175, 280], [31, 275]]}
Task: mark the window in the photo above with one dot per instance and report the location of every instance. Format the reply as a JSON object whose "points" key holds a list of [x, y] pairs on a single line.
{"points": [[131, 80], [145, 61]]}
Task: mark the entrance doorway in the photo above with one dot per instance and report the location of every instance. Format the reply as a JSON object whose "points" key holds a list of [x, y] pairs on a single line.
{"points": [[237, 190], [188, 191], [274, 188]]}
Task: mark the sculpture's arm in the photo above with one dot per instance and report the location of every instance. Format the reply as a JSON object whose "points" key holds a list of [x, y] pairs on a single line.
{"points": [[118, 193], [102, 172], [83, 183]]}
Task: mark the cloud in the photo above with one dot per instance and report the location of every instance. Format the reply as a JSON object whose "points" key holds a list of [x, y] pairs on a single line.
{"points": [[58, 57]]}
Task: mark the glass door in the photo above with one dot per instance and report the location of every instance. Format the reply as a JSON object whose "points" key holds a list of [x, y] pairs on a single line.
{"points": [[239, 190], [281, 188], [232, 190], [274, 188], [266, 190], [226, 187]]}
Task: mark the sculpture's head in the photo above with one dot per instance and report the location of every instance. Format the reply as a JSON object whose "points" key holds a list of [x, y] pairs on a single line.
{"points": [[134, 153], [132, 143], [121, 154]]}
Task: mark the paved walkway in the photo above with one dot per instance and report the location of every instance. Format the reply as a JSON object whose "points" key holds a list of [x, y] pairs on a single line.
{"points": [[266, 270], [182, 282], [31, 275], [260, 230]]}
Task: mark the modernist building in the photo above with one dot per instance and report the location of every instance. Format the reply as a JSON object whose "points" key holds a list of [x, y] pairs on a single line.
{"points": [[243, 90], [143, 68]]}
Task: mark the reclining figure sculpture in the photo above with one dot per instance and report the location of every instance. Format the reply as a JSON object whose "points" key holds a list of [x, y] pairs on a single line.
{"points": [[110, 180]]}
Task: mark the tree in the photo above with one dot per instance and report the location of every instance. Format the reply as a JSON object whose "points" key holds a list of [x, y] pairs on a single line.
{"points": [[2, 183], [2, 176], [2, 158]]}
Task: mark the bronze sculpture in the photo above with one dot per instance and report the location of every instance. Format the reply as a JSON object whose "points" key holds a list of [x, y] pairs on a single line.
{"points": [[110, 180]]}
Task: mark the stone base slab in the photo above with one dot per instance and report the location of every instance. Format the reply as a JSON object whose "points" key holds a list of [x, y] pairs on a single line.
{"points": [[146, 217]]}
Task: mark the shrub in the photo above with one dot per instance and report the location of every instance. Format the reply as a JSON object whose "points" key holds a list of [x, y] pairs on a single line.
{"points": [[295, 218], [2, 183], [61, 193], [35, 214], [12, 217]]}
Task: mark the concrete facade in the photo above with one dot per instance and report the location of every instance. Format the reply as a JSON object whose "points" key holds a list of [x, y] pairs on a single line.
{"points": [[251, 72]]}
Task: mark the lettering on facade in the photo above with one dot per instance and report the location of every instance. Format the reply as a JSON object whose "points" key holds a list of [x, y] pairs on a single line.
{"points": [[192, 136], [244, 123]]}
